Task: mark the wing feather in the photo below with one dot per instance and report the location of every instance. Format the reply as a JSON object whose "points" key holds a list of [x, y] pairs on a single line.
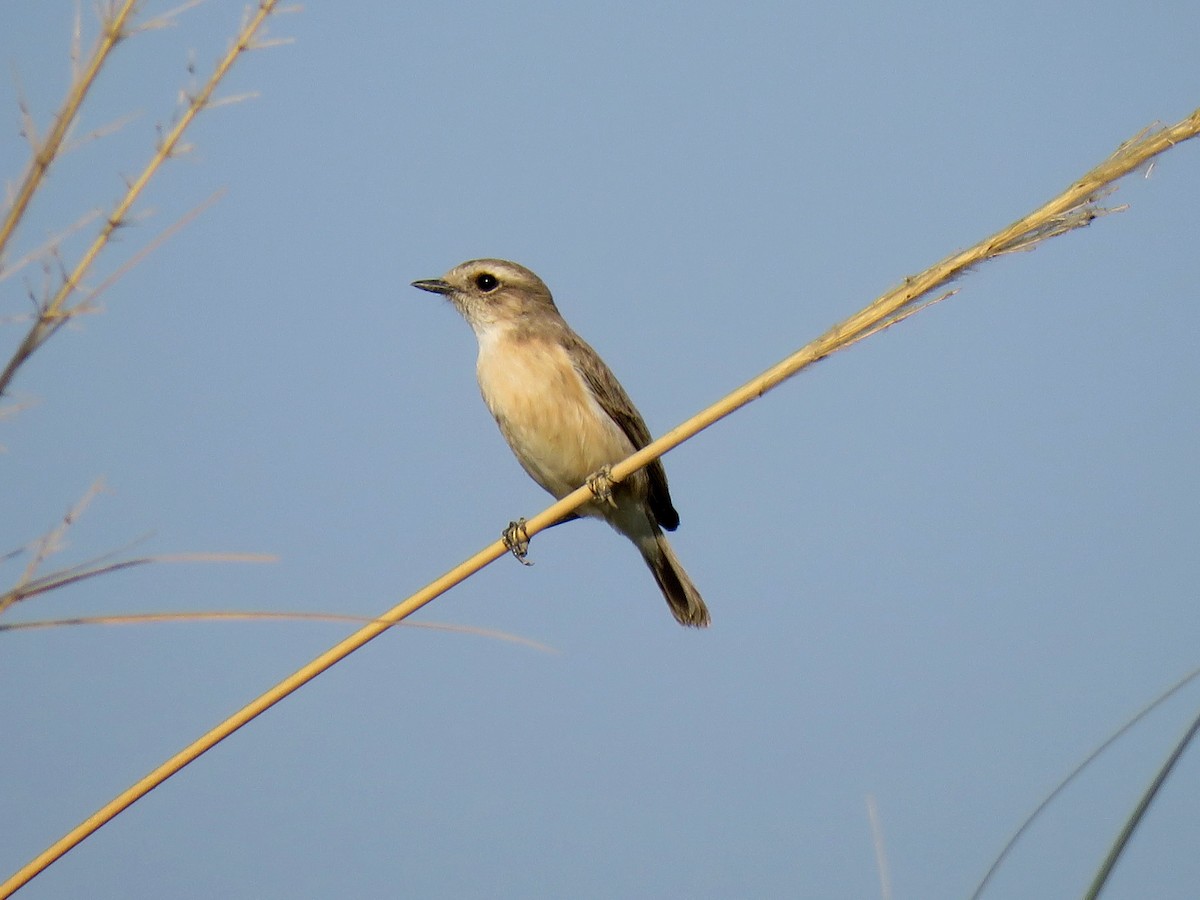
{"points": [[612, 398]]}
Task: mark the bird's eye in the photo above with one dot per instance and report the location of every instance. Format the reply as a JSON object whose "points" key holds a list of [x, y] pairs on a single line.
{"points": [[486, 282]]}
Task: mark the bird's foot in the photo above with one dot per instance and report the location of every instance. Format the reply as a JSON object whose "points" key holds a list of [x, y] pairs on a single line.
{"points": [[601, 485], [516, 539]]}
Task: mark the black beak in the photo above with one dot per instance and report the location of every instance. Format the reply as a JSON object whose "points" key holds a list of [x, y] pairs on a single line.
{"points": [[434, 286]]}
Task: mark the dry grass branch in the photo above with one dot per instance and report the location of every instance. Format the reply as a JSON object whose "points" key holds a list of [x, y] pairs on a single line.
{"points": [[64, 577], [31, 584], [100, 132], [114, 24], [57, 310], [170, 232], [881, 861], [46, 546], [263, 615], [48, 248]]}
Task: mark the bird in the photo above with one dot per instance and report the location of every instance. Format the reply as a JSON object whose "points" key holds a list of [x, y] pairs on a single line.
{"points": [[564, 414]]}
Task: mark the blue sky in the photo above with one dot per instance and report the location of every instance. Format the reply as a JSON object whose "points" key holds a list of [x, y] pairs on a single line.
{"points": [[942, 566]]}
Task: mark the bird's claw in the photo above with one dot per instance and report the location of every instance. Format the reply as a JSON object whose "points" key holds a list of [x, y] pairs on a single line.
{"points": [[516, 539], [601, 485]]}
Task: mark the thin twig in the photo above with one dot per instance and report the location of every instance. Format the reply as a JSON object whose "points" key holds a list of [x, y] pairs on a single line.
{"points": [[881, 863], [168, 18], [100, 132], [255, 615], [49, 246], [135, 260], [64, 577], [51, 542]]}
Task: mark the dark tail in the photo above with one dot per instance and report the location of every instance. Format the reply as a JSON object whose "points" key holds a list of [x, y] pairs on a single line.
{"points": [[687, 606]]}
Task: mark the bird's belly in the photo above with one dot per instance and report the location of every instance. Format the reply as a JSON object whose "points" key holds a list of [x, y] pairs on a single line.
{"points": [[555, 427]]}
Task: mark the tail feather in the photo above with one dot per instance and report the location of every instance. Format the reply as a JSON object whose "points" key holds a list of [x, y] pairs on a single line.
{"points": [[687, 606]]}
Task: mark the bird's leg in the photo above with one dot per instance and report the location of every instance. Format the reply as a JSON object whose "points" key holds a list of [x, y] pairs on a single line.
{"points": [[601, 485], [516, 539]]}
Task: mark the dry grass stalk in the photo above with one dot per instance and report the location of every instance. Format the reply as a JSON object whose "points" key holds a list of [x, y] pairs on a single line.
{"points": [[64, 577], [113, 30], [31, 584], [117, 23], [262, 615], [56, 310], [46, 546]]}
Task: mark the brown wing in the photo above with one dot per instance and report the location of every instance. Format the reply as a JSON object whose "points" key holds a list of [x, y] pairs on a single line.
{"points": [[614, 401]]}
